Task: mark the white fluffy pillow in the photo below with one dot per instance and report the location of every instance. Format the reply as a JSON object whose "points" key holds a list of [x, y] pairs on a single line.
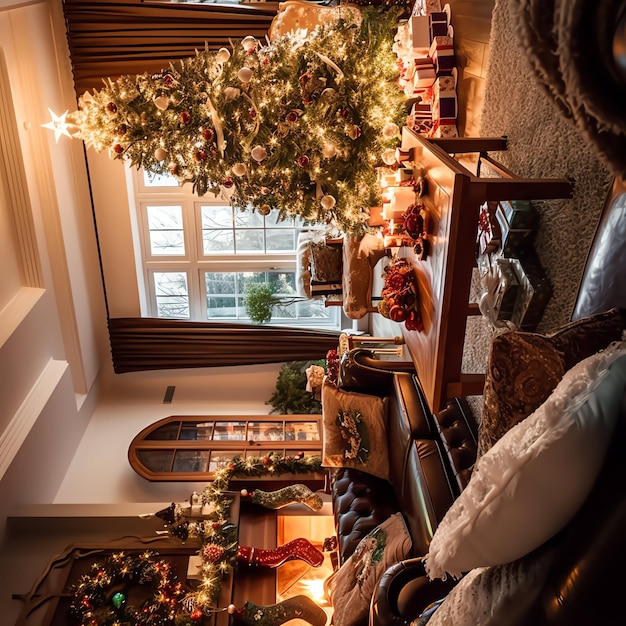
{"points": [[533, 480]]}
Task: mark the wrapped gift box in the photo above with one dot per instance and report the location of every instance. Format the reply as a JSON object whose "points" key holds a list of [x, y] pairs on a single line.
{"points": [[445, 103], [438, 24], [535, 291], [419, 125], [513, 240], [444, 127], [520, 214], [424, 75], [419, 31], [442, 53]]}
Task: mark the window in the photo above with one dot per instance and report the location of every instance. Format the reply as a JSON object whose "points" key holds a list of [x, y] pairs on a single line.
{"points": [[197, 254], [191, 448]]}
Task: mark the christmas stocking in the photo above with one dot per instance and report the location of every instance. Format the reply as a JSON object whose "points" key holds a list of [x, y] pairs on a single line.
{"points": [[300, 548], [298, 607], [287, 495]]}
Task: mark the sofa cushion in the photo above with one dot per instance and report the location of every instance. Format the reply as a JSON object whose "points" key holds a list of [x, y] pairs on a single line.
{"points": [[355, 431], [351, 587], [524, 368], [530, 484]]}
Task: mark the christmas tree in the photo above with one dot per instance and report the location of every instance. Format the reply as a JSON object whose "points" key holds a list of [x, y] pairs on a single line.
{"points": [[298, 124]]}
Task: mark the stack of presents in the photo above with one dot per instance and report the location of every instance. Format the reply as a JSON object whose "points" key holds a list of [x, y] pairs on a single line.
{"points": [[515, 287], [424, 46]]}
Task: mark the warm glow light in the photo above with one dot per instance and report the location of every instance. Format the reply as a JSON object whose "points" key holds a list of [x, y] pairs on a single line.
{"points": [[314, 588], [59, 125]]}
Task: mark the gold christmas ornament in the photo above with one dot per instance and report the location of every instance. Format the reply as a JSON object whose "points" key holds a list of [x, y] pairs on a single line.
{"points": [[265, 209], [328, 202], [258, 153], [249, 43], [222, 55], [239, 169], [329, 151], [244, 74], [160, 154], [389, 156]]}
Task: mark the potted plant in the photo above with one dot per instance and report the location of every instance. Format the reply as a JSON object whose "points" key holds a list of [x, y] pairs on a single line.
{"points": [[260, 300]]}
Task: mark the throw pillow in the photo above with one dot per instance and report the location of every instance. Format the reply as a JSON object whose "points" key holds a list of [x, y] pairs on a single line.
{"points": [[325, 263], [524, 368], [534, 479], [351, 587], [355, 432], [487, 595]]}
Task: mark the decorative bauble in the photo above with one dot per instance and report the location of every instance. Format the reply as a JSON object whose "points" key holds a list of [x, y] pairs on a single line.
{"points": [[328, 202], [118, 599], [208, 134], [161, 103], [303, 161], [239, 169], [344, 112], [160, 154], [222, 55], [244, 493], [244, 74], [227, 182], [174, 169], [249, 43], [197, 614], [389, 156], [252, 112], [329, 151], [185, 117], [231, 609], [232, 93], [293, 116], [199, 156], [112, 107], [118, 149], [265, 209], [265, 191], [212, 552], [258, 153], [390, 130], [354, 132], [329, 94]]}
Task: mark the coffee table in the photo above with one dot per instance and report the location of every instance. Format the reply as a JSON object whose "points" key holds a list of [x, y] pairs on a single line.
{"points": [[454, 196]]}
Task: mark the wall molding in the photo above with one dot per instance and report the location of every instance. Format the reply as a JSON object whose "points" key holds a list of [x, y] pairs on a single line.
{"points": [[25, 417], [14, 173]]}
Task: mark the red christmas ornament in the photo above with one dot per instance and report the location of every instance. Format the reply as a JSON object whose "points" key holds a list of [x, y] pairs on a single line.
{"points": [[344, 112], [118, 149], [303, 161], [185, 117], [199, 156], [168, 80], [112, 107], [208, 134], [292, 117], [213, 553], [228, 182], [252, 113], [197, 614], [266, 460]]}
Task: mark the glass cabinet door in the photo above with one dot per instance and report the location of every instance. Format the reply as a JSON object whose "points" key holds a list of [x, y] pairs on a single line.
{"points": [[194, 447]]}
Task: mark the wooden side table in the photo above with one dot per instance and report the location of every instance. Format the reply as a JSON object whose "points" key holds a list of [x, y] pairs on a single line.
{"points": [[454, 197]]}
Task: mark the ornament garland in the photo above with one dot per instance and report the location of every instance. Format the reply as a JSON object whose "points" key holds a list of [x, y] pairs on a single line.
{"points": [[101, 597]]}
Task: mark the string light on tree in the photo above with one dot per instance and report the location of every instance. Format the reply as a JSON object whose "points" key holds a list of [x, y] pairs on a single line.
{"points": [[285, 123]]}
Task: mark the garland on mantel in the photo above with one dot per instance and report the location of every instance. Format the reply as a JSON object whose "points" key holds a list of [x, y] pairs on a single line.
{"points": [[213, 527]]}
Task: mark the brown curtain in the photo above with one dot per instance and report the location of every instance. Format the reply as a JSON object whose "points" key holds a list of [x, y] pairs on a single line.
{"points": [[109, 38], [139, 343]]}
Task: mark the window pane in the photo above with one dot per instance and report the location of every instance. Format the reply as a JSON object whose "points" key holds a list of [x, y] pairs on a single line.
{"points": [[280, 240], [159, 180], [167, 432], [217, 229], [250, 240], [165, 224], [301, 431], [248, 219], [191, 461], [172, 294], [230, 431], [196, 430], [218, 241], [221, 458], [266, 431], [216, 216], [156, 460]]}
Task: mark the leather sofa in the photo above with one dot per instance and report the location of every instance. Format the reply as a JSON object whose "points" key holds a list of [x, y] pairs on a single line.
{"points": [[431, 456], [586, 576]]}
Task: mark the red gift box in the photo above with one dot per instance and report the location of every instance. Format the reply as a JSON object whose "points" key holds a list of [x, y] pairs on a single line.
{"points": [[444, 127]]}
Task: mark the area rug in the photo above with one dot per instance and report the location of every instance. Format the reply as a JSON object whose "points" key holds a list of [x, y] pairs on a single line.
{"points": [[541, 143]]}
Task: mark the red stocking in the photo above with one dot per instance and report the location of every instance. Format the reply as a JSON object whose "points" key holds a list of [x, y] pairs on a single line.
{"points": [[301, 549]]}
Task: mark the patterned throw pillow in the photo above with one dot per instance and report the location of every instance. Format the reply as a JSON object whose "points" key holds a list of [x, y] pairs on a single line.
{"points": [[351, 587], [355, 432], [524, 368]]}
